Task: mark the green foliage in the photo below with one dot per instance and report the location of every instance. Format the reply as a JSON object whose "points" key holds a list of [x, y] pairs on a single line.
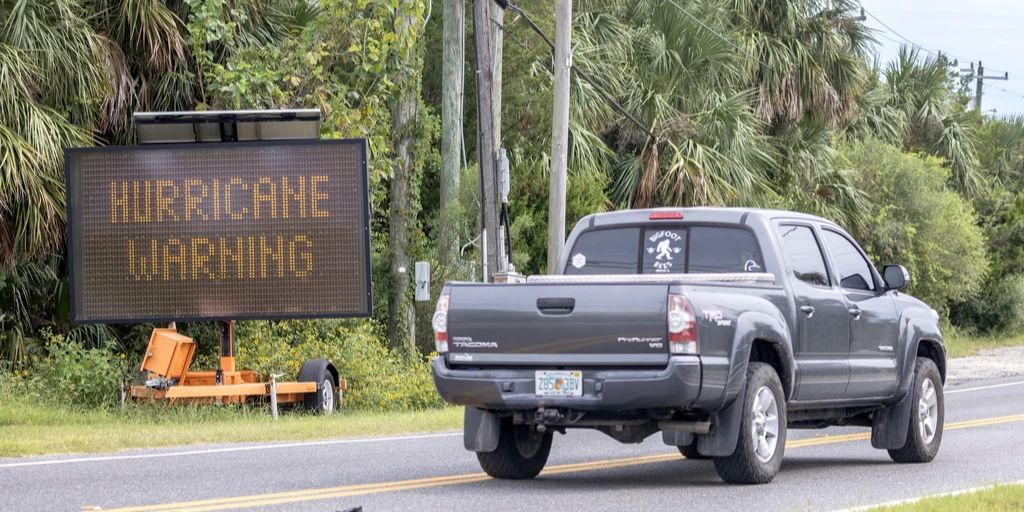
{"points": [[914, 220], [378, 379], [998, 309], [72, 375]]}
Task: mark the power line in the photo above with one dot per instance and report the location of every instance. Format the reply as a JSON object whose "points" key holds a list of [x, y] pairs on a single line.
{"points": [[936, 53], [1007, 91]]}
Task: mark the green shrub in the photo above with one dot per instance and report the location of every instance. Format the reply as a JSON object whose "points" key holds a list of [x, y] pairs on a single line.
{"points": [[76, 376], [378, 379], [914, 220], [998, 309]]}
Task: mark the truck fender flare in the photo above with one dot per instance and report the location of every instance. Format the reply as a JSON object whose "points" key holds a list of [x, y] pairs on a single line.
{"points": [[916, 326], [313, 370], [750, 327], [480, 430]]}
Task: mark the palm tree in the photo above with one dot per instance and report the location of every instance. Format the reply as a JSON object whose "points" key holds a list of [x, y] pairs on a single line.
{"points": [[810, 58], [934, 116], [701, 142], [51, 65]]}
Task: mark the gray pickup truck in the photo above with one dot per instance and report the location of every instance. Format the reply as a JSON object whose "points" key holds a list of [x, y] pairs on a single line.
{"points": [[717, 327]]}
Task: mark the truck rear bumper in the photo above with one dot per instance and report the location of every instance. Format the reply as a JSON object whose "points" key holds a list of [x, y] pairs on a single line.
{"points": [[675, 386]]}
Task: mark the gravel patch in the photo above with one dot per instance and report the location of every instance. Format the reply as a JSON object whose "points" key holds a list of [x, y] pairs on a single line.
{"points": [[990, 363]]}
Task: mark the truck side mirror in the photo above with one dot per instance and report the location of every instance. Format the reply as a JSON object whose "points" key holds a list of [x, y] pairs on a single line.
{"points": [[896, 277]]}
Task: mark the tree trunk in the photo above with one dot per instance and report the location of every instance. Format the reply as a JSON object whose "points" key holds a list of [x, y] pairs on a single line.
{"points": [[401, 314], [453, 43]]}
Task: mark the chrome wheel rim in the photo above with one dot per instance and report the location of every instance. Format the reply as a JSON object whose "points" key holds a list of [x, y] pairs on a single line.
{"points": [[927, 411], [764, 424], [327, 395]]}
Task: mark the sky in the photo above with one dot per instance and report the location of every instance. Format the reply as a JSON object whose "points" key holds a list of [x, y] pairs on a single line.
{"points": [[969, 30]]}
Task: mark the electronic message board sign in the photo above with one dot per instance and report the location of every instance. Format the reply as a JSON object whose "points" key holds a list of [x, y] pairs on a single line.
{"points": [[219, 231]]}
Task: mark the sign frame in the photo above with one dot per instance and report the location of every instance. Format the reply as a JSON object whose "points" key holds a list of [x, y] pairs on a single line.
{"points": [[71, 203]]}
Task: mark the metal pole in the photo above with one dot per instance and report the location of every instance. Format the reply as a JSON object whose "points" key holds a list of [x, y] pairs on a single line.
{"points": [[273, 395], [559, 133]]}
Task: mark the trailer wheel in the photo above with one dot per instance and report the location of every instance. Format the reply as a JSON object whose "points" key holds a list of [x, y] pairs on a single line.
{"points": [[326, 398]]}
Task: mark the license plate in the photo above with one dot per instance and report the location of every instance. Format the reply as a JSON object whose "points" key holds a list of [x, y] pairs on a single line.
{"points": [[559, 383]]}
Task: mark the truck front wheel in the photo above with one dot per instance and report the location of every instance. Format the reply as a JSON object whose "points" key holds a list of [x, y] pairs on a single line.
{"points": [[924, 435], [762, 440], [521, 453]]}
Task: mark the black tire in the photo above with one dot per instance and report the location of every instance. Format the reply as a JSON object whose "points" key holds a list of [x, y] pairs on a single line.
{"points": [[521, 454], [690, 451], [918, 448], [744, 466], [326, 399]]}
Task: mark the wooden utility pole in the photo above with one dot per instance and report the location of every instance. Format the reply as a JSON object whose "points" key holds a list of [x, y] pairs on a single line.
{"points": [[486, 153], [559, 133], [454, 46], [401, 313], [981, 82]]}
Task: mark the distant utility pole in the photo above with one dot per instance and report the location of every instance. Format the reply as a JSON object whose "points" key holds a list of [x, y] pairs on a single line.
{"points": [[559, 133], [454, 45], [486, 153], [981, 81]]}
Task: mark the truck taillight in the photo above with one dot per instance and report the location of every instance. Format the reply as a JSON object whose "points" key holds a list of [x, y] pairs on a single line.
{"points": [[440, 324], [682, 326]]}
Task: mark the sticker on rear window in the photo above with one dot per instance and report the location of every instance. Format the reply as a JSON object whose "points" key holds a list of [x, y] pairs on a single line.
{"points": [[664, 246], [579, 260]]}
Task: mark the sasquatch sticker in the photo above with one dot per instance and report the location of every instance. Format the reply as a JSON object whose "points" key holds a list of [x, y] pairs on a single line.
{"points": [[664, 246]]}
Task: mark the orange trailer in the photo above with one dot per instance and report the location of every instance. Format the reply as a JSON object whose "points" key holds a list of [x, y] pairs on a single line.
{"points": [[168, 360]]}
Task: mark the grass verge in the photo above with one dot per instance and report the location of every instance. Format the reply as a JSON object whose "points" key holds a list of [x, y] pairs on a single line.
{"points": [[962, 344], [32, 429], [1001, 498]]}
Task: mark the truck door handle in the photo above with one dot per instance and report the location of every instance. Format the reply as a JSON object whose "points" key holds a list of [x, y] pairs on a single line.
{"points": [[556, 305], [808, 309], [855, 312]]}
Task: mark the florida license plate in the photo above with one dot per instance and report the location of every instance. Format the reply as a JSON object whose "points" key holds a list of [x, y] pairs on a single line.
{"points": [[559, 383]]}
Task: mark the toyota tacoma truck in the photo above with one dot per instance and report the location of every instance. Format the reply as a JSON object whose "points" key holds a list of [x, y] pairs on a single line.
{"points": [[717, 327]]}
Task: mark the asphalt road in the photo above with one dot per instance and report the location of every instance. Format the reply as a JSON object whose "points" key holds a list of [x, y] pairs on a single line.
{"points": [[823, 470]]}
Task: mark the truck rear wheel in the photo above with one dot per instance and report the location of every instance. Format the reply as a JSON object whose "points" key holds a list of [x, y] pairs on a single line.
{"points": [[762, 441], [924, 435], [521, 454]]}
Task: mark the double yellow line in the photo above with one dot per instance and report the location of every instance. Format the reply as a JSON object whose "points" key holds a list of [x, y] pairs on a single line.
{"points": [[278, 498]]}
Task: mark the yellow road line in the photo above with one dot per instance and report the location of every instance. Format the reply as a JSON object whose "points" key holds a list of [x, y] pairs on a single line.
{"points": [[278, 498]]}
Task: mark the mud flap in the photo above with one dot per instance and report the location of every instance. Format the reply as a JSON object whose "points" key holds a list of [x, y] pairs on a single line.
{"points": [[481, 430], [725, 424], [889, 426]]}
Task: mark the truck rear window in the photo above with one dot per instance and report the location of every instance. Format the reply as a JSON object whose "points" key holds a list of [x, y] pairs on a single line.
{"points": [[669, 249]]}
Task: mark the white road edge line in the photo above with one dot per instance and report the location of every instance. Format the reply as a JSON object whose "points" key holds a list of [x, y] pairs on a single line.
{"points": [[910, 501], [226, 450], [979, 388], [311, 443]]}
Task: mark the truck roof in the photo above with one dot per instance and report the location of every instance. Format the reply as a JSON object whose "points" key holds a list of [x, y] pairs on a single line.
{"points": [[697, 214]]}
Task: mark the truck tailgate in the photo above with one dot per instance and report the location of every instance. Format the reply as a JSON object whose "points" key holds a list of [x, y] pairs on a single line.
{"points": [[558, 324]]}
